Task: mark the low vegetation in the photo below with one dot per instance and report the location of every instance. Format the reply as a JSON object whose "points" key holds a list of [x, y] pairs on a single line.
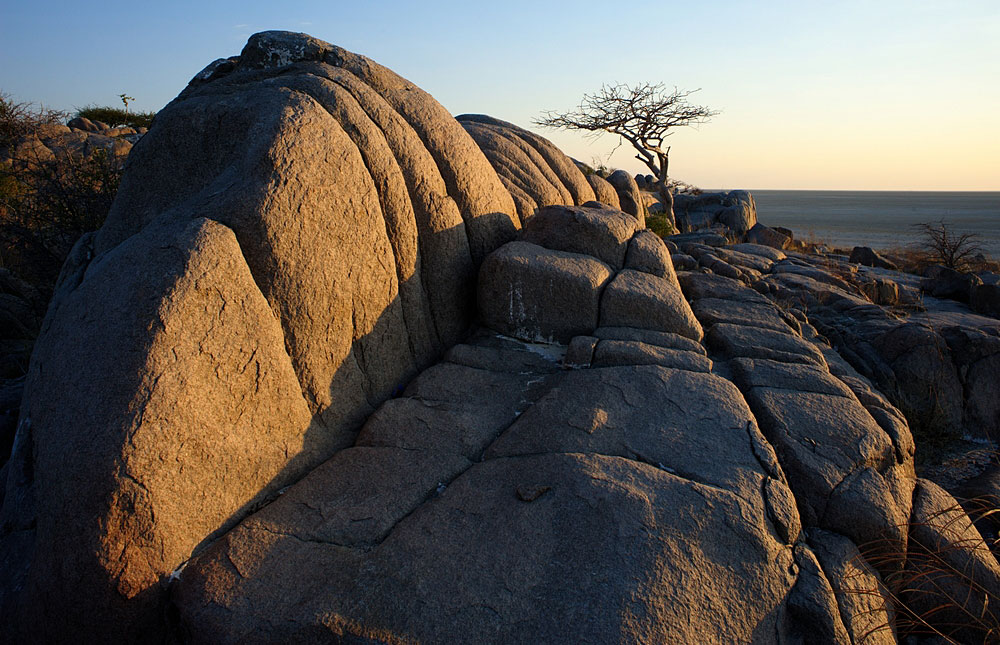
{"points": [[116, 117], [660, 224], [941, 244], [47, 200], [933, 590]]}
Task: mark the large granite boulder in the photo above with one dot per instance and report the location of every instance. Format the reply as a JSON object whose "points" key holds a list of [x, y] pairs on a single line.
{"points": [[535, 172], [602, 233], [643, 300], [604, 191], [629, 197], [297, 235], [533, 293]]}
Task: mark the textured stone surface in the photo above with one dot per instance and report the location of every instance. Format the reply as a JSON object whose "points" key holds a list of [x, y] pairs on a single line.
{"points": [[512, 533], [580, 351], [533, 169], [757, 342], [866, 608], [637, 299], [604, 192], [604, 234], [750, 314], [650, 337], [766, 236], [187, 414], [307, 154], [648, 253], [533, 293], [628, 195], [630, 352]]}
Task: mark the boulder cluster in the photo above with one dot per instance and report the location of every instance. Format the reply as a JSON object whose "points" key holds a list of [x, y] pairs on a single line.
{"points": [[734, 212], [340, 367]]}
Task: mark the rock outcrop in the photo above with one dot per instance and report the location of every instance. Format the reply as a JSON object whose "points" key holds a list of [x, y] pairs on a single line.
{"points": [[734, 211], [293, 391], [604, 191], [531, 502], [294, 239], [535, 172]]}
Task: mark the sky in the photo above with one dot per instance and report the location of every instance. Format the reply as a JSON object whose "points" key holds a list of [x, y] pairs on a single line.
{"points": [[851, 95]]}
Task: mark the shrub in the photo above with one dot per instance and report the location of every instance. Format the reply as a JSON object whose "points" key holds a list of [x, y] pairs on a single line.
{"points": [[942, 245], [116, 117], [69, 194], [18, 120], [660, 224], [47, 200]]}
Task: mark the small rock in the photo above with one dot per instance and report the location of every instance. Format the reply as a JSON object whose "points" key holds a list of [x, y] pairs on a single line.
{"points": [[531, 493]]}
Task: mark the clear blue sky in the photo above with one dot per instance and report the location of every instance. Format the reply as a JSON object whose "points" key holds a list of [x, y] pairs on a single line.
{"points": [[838, 95]]}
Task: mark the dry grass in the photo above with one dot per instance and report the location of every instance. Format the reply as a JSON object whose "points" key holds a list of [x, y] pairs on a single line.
{"points": [[935, 588]]}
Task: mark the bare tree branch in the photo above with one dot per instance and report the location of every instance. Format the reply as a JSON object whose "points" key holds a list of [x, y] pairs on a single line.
{"points": [[944, 246], [643, 115]]}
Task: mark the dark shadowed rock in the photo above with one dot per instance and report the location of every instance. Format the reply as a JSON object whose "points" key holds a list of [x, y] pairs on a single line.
{"points": [[630, 352], [637, 299], [580, 351], [942, 282], [496, 555], [650, 337], [871, 258], [766, 236], [954, 574], [751, 314], [534, 293], [758, 342], [985, 299]]}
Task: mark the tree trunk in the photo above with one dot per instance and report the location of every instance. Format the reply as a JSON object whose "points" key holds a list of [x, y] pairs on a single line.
{"points": [[666, 197]]}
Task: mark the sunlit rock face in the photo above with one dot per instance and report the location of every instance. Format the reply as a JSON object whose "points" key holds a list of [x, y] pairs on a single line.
{"points": [[535, 172], [294, 239]]}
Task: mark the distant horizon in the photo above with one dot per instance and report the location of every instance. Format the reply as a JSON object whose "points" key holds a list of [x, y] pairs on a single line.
{"points": [[892, 96]]}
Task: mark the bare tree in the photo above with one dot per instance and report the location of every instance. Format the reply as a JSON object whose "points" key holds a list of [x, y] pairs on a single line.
{"points": [[643, 115], [944, 246]]}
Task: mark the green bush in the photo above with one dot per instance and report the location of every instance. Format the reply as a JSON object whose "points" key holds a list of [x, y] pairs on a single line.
{"points": [[660, 224], [116, 117]]}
